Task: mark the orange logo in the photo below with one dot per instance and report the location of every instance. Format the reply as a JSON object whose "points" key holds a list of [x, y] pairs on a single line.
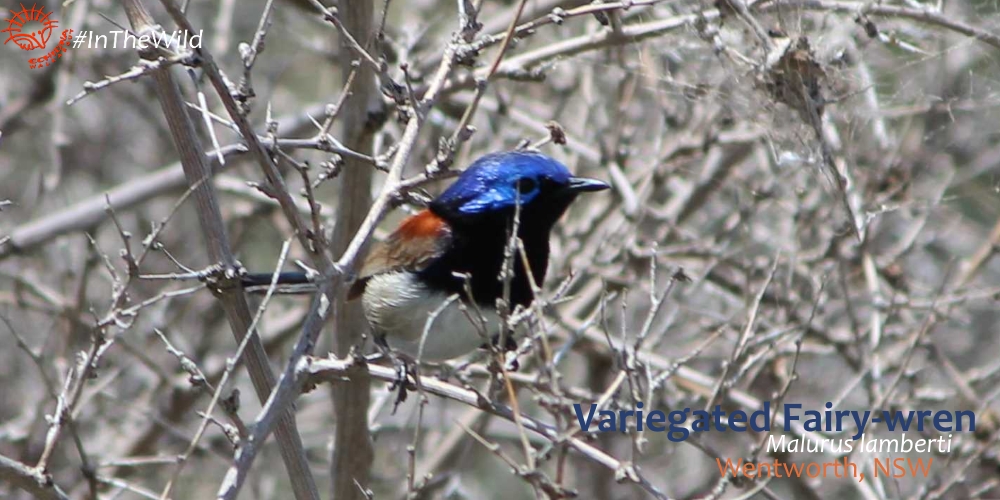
{"points": [[29, 41], [37, 39]]}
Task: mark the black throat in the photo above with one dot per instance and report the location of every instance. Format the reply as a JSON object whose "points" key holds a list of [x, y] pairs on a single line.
{"points": [[477, 250]]}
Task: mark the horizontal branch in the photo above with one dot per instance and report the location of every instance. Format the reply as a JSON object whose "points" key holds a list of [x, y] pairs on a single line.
{"points": [[29, 479], [87, 213], [313, 370]]}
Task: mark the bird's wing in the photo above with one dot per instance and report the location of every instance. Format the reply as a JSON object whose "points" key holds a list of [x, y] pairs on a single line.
{"points": [[414, 244]]}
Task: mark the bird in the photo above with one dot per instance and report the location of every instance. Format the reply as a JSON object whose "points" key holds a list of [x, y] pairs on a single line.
{"points": [[452, 252], [450, 255]]}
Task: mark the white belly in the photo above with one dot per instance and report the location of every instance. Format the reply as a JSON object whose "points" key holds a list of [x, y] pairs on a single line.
{"points": [[399, 307]]}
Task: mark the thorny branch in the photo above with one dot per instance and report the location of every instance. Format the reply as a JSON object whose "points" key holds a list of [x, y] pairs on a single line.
{"points": [[731, 131]]}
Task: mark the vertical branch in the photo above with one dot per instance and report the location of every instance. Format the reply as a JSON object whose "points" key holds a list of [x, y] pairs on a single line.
{"points": [[352, 451], [228, 291]]}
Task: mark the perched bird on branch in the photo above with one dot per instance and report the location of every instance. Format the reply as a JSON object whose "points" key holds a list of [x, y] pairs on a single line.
{"points": [[453, 253]]}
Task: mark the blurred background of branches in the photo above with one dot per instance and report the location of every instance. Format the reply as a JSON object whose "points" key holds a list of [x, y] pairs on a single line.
{"points": [[805, 207]]}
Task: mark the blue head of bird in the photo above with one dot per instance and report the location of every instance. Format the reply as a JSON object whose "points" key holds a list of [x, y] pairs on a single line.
{"points": [[495, 185]]}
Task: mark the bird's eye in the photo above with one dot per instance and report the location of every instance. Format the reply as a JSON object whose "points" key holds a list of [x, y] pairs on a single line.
{"points": [[525, 186]]}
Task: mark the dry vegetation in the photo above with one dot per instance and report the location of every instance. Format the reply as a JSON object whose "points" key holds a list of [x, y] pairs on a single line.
{"points": [[804, 208]]}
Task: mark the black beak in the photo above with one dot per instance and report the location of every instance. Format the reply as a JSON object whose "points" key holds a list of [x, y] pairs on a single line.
{"points": [[583, 184]]}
